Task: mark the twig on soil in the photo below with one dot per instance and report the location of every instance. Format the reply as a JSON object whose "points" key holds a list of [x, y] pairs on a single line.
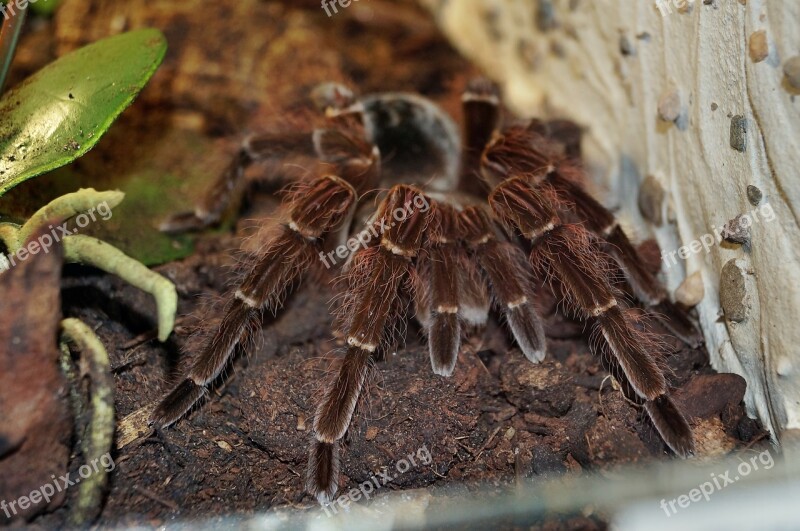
{"points": [[134, 427], [153, 334], [433, 469], [147, 494], [133, 359], [489, 440], [480, 361], [469, 450], [616, 387], [139, 340]]}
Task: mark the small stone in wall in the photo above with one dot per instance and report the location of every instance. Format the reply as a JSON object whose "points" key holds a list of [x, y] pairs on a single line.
{"points": [[691, 291], [733, 293], [783, 367], [669, 105], [792, 71], [651, 200], [625, 46], [739, 133], [737, 230], [492, 19], [557, 49], [759, 46], [754, 195], [546, 15], [529, 54]]}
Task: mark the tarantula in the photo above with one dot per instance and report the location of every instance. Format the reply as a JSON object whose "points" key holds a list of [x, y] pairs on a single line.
{"points": [[454, 226]]}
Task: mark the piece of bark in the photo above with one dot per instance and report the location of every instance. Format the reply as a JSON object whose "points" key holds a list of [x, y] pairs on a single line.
{"points": [[36, 424]]}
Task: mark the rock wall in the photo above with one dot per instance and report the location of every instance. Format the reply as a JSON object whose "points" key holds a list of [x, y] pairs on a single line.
{"points": [[692, 120]]}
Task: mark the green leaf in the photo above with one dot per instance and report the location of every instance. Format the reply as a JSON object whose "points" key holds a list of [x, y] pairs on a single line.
{"points": [[162, 168], [60, 113]]}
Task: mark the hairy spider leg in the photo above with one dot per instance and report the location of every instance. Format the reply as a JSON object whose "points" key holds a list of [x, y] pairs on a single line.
{"points": [[378, 280], [519, 151], [566, 251], [511, 281], [229, 187], [313, 210]]}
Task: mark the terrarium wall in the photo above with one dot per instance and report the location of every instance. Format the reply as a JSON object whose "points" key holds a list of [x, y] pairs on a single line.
{"points": [[691, 120]]}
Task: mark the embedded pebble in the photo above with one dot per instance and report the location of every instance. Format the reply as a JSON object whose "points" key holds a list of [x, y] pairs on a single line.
{"points": [[529, 54], [651, 200], [546, 16], [739, 133], [669, 105], [733, 292], [557, 49], [754, 195], [784, 366], [736, 231], [792, 71], [492, 19], [691, 291], [625, 46], [672, 216], [759, 46]]}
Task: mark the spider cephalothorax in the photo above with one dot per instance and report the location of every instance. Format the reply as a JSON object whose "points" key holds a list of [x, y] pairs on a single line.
{"points": [[454, 231]]}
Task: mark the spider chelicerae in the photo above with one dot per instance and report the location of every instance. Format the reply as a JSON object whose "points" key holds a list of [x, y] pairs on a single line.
{"points": [[447, 230]]}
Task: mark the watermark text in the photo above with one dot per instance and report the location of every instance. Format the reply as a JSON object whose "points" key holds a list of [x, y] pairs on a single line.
{"points": [[59, 484], [56, 234], [717, 483], [374, 230], [717, 234], [383, 478]]}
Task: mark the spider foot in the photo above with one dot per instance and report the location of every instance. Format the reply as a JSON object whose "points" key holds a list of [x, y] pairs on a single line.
{"points": [[322, 475], [671, 425]]}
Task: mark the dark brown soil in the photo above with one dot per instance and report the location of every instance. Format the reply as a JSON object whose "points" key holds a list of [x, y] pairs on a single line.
{"points": [[497, 420], [500, 418]]}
